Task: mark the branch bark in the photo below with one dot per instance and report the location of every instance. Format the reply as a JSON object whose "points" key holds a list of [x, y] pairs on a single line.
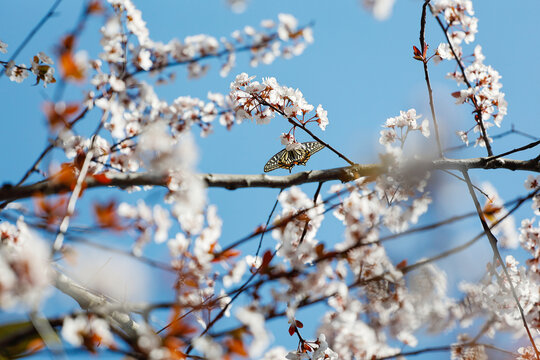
{"points": [[98, 304], [233, 181]]}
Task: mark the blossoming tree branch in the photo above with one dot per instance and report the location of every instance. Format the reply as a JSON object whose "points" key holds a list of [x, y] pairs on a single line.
{"points": [[285, 281]]}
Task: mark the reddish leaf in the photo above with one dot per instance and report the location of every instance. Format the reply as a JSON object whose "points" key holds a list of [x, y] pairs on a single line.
{"points": [[68, 43], [424, 53], [319, 249], [179, 327], [236, 346], [259, 229], [59, 114], [69, 67], [173, 344], [267, 257], [299, 324], [106, 215], [102, 179], [50, 210], [95, 7], [292, 329], [417, 54], [402, 264], [190, 282], [67, 176], [303, 217], [226, 255], [490, 210], [35, 345]]}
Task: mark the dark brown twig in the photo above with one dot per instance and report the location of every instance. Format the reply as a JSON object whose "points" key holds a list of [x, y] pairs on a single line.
{"points": [[304, 232], [423, 48]]}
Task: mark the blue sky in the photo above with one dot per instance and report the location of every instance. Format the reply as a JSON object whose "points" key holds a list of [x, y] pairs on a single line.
{"points": [[360, 69]]}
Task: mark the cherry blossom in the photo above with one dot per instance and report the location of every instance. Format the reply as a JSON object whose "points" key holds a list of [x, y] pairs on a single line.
{"points": [[483, 90], [16, 73], [381, 9], [374, 301], [88, 330], [262, 101], [24, 263]]}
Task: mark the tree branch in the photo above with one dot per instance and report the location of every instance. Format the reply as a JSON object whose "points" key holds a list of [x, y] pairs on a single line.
{"points": [[99, 304], [233, 181]]}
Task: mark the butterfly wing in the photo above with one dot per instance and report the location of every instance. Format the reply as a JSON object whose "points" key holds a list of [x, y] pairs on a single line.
{"points": [[309, 149], [287, 159], [275, 161], [313, 147]]}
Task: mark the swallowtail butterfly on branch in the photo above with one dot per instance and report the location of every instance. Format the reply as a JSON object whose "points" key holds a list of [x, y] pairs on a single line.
{"points": [[287, 159]]}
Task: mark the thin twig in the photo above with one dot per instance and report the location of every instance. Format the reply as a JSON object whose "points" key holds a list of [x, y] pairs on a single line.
{"points": [[522, 148], [267, 222], [498, 136], [304, 232], [462, 179], [493, 242], [423, 48]]}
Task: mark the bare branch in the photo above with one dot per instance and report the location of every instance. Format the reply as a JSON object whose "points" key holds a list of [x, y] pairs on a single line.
{"points": [[99, 304]]}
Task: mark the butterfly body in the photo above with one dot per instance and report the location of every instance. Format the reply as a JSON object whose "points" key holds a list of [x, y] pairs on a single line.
{"points": [[286, 159]]}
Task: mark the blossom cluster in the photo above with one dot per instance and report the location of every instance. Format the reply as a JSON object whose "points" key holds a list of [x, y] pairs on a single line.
{"points": [[282, 38], [381, 9], [530, 240], [90, 331], [529, 236], [40, 67], [24, 266], [398, 128], [315, 350], [483, 86], [296, 236], [261, 101], [148, 222], [493, 298], [533, 183], [463, 350]]}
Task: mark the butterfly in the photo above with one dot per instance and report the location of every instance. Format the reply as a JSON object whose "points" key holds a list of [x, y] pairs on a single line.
{"points": [[287, 159]]}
